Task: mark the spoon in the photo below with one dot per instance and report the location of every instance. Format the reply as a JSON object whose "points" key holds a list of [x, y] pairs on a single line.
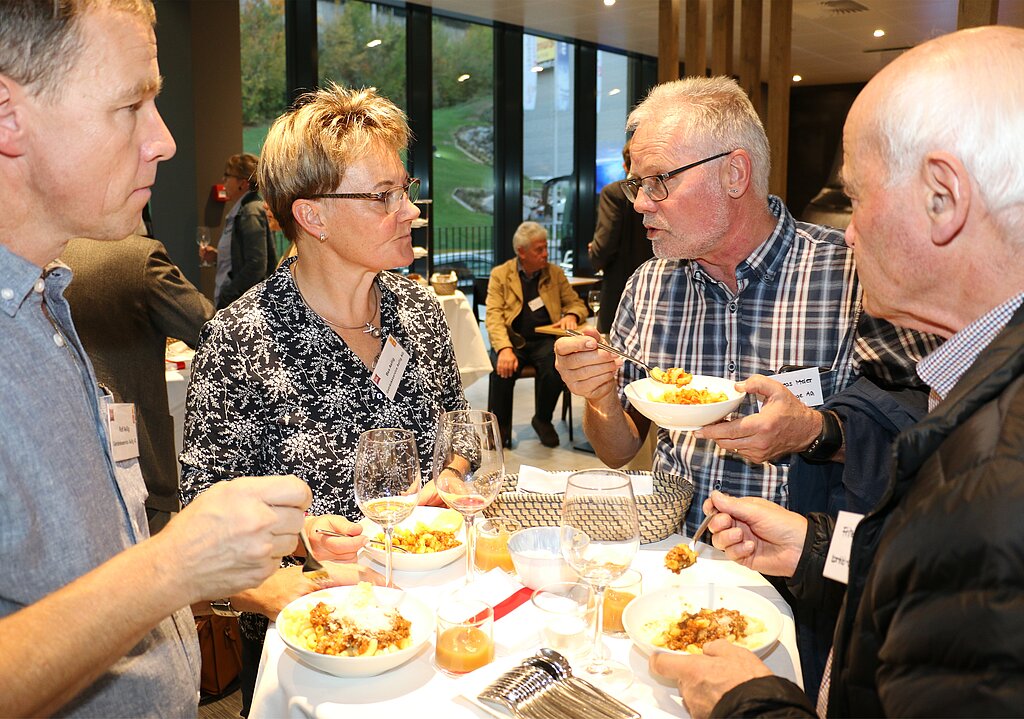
{"points": [[702, 528], [623, 355], [558, 663]]}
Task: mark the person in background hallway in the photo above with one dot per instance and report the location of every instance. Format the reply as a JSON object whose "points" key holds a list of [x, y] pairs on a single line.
{"points": [[94, 614], [932, 621], [522, 294], [127, 298], [620, 245]]}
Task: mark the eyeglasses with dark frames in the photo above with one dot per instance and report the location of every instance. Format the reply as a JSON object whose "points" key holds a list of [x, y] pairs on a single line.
{"points": [[391, 197], [654, 185]]}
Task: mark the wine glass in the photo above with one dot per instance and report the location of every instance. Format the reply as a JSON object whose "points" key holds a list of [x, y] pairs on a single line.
{"points": [[594, 300], [600, 535], [469, 467], [203, 239], [387, 480]]}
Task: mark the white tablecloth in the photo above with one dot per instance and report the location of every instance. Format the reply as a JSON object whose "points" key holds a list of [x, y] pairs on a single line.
{"points": [[416, 691], [470, 352]]}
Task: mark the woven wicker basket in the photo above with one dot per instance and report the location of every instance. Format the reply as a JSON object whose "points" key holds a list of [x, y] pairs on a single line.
{"points": [[444, 284], [660, 513]]}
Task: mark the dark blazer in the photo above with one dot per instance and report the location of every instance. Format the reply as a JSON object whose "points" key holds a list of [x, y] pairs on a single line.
{"points": [[127, 298], [253, 257], [620, 245]]}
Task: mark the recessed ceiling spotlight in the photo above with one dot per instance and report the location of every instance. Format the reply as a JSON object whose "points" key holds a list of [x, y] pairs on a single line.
{"points": [[536, 68], [609, 3], [614, 91], [879, 33], [798, 78], [463, 77], [373, 43]]}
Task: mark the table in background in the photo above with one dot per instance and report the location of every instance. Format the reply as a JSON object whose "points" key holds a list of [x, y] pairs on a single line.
{"points": [[470, 351], [287, 687]]}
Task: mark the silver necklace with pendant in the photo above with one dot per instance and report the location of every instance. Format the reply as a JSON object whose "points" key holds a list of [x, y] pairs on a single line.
{"points": [[367, 328]]}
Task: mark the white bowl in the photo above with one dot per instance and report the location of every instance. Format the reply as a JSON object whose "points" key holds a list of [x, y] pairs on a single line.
{"points": [[406, 561], [683, 417], [421, 629], [647, 615], [537, 557]]}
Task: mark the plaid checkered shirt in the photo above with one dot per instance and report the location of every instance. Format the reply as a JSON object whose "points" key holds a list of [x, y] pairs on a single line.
{"points": [[798, 302]]}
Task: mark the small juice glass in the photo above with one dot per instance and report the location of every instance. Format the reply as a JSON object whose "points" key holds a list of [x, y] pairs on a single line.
{"points": [[620, 593], [465, 635], [492, 544]]}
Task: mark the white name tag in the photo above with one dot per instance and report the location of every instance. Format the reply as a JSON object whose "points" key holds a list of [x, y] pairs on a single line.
{"points": [[122, 431], [804, 383], [837, 564], [535, 304], [387, 373]]}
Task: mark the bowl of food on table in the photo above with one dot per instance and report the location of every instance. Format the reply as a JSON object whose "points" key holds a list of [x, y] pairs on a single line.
{"points": [[431, 538], [677, 400], [684, 618], [355, 631]]}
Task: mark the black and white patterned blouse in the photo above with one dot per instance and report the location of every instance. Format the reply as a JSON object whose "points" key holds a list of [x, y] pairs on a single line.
{"points": [[275, 391]]}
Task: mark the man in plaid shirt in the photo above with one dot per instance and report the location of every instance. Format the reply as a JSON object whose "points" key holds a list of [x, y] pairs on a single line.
{"points": [[737, 289]]}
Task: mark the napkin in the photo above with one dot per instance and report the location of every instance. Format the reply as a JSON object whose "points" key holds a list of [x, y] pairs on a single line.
{"points": [[533, 479]]}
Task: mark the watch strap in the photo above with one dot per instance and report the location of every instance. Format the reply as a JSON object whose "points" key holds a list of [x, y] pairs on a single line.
{"points": [[223, 608], [829, 439]]}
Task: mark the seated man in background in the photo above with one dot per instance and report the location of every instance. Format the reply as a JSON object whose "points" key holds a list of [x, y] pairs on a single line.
{"points": [[127, 298], [523, 294]]}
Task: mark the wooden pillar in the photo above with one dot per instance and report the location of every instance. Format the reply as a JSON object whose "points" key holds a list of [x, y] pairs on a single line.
{"points": [[721, 37], [975, 13], [668, 40], [750, 52], [695, 56], [780, 78]]}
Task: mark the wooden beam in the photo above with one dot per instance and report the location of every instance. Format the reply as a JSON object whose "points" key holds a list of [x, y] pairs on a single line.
{"points": [[750, 52], [975, 13], [695, 43], [721, 37], [780, 79], [668, 40]]}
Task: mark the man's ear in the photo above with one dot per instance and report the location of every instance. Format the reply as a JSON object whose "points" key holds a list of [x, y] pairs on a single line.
{"points": [[12, 133], [736, 174], [948, 195], [307, 216]]}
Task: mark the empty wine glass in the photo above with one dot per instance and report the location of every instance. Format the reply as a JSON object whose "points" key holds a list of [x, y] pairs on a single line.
{"points": [[594, 300], [387, 480], [600, 535], [469, 468]]}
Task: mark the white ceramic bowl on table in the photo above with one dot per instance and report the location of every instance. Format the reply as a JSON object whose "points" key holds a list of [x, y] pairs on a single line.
{"points": [[537, 557], [683, 417], [649, 614], [407, 561], [421, 629]]}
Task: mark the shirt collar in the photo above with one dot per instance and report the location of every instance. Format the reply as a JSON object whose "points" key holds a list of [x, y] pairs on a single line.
{"points": [[765, 261], [531, 277], [19, 278]]}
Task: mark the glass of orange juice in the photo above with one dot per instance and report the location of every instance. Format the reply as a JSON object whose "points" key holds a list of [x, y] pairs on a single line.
{"points": [[465, 634], [492, 544], [620, 593]]}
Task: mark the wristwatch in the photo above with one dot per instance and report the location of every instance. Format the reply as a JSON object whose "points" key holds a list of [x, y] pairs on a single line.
{"points": [[223, 608], [829, 440]]}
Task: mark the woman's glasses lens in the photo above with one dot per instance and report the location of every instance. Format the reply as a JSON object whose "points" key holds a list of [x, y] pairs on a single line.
{"points": [[394, 196]]}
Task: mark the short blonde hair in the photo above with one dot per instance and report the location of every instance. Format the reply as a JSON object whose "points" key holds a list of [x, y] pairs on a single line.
{"points": [[716, 116], [526, 233], [243, 166], [309, 148]]}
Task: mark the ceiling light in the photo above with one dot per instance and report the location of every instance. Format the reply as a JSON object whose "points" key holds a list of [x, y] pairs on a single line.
{"points": [[614, 91], [879, 33], [609, 3], [373, 43], [798, 78], [463, 77], [536, 68]]}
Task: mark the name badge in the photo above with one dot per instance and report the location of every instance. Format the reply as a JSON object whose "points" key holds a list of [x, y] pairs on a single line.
{"points": [[837, 564], [535, 304], [122, 431], [387, 373], [804, 383]]}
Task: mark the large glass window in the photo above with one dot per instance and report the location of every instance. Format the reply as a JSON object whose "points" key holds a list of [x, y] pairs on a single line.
{"points": [[362, 44], [264, 95], [463, 116], [612, 94], [548, 77]]}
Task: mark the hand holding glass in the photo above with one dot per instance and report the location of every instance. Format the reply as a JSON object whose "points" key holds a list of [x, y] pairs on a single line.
{"points": [[204, 240], [387, 480]]}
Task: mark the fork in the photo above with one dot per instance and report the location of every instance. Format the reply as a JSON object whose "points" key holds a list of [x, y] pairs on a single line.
{"points": [[311, 567], [623, 355], [702, 528], [377, 542]]}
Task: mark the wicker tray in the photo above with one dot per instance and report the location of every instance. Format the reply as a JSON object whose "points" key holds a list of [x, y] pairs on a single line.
{"points": [[661, 513]]}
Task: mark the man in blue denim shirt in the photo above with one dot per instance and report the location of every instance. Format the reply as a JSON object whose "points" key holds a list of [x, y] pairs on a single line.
{"points": [[94, 617]]}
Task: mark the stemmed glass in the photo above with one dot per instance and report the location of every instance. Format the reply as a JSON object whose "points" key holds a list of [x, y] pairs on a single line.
{"points": [[203, 239], [387, 480], [469, 467], [594, 300], [600, 535]]}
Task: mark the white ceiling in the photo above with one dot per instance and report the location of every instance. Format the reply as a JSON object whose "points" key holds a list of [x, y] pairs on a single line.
{"points": [[828, 47]]}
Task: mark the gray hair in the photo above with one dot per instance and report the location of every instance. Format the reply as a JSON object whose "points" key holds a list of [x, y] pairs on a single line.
{"points": [[951, 101], [526, 233], [41, 40], [714, 114]]}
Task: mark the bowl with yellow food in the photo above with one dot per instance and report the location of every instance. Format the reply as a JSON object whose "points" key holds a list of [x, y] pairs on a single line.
{"points": [[702, 401], [431, 538], [355, 631]]}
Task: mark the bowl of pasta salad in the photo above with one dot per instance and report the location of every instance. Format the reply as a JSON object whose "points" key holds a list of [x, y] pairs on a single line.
{"points": [[431, 538], [688, 404]]}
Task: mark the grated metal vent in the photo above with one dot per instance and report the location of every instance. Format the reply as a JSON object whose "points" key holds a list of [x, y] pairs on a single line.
{"points": [[841, 7]]}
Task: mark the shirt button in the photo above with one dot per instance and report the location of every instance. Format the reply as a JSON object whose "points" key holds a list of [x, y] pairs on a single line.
{"points": [[732, 366], [40, 286], [57, 339], [7, 293], [718, 486], [732, 306]]}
